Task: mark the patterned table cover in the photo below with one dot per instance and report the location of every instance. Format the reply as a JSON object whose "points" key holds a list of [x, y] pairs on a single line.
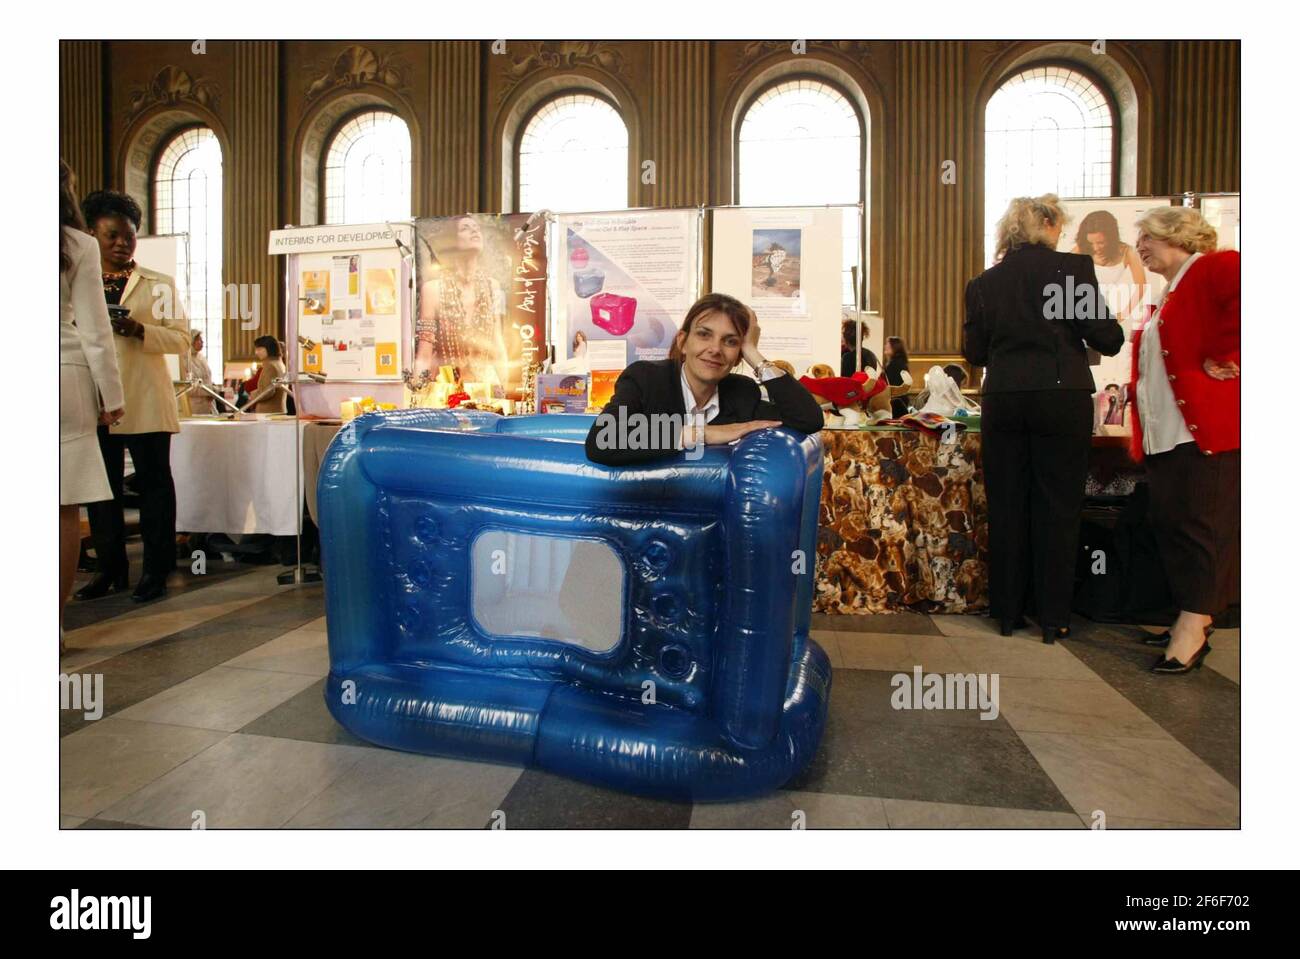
{"points": [[903, 524]]}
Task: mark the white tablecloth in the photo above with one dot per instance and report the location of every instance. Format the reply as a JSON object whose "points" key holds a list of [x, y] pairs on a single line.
{"points": [[237, 477]]}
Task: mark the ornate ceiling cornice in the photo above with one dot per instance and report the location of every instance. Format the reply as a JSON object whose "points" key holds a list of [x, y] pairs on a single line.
{"points": [[556, 55], [756, 50], [172, 86], [353, 67]]}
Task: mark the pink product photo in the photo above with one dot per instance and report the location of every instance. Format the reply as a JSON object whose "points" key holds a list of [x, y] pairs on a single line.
{"points": [[613, 313]]}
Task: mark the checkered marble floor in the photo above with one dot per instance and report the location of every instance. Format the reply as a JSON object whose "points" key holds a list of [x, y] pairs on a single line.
{"points": [[213, 705]]}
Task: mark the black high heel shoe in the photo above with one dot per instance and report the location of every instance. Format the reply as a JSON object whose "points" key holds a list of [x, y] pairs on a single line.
{"points": [[1052, 633], [1162, 640], [1009, 626], [1172, 667], [102, 585]]}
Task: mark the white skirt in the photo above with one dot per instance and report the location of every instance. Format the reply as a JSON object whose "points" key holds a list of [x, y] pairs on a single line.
{"points": [[82, 477]]}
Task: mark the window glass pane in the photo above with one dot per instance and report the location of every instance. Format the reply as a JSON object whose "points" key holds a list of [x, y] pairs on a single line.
{"points": [[1046, 130], [573, 157], [368, 170], [187, 199], [800, 144], [547, 587]]}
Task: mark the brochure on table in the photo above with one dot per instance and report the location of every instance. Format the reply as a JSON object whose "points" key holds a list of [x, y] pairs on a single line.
{"points": [[787, 264], [1105, 228], [349, 307], [623, 283]]}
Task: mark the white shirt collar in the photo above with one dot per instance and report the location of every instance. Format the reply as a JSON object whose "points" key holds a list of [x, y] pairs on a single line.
{"points": [[710, 409], [1183, 269]]}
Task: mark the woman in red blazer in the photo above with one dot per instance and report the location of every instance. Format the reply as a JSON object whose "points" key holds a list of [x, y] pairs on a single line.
{"points": [[1186, 386]]}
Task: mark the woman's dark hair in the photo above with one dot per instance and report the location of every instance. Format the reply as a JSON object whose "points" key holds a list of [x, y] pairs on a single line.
{"points": [[900, 349], [1099, 221], [270, 344], [104, 203], [69, 212], [729, 306], [957, 374]]}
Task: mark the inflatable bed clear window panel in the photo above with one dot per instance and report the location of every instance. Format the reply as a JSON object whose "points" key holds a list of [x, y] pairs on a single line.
{"points": [[548, 588], [648, 626]]}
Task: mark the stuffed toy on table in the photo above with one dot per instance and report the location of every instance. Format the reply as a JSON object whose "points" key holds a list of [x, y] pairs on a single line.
{"points": [[848, 400]]}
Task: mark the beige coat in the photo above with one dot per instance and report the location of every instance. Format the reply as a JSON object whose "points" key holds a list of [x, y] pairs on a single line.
{"points": [[150, 397], [276, 402]]}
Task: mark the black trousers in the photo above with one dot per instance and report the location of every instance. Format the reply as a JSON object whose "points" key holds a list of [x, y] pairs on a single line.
{"points": [[1035, 455], [151, 454], [1196, 516]]}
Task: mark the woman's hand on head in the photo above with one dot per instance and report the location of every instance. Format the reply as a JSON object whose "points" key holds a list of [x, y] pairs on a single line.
{"points": [[752, 334]]}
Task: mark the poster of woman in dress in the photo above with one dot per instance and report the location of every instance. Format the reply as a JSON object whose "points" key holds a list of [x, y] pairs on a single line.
{"points": [[1120, 273], [481, 298], [1106, 230]]}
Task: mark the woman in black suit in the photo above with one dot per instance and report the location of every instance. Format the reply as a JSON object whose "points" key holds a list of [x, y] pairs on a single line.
{"points": [[1028, 320], [693, 399]]}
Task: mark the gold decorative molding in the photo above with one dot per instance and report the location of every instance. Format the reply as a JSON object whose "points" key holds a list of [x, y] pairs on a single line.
{"points": [[549, 55], [173, 86], [353, 67], [756, 50]]}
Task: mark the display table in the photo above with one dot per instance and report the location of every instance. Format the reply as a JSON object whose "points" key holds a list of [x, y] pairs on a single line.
{"points": [[316, 438], [903, 523], [237, 476]]}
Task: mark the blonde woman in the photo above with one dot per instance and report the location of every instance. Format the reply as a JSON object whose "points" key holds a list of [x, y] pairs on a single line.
{"points": [[1029, 320], [1186, 387]]}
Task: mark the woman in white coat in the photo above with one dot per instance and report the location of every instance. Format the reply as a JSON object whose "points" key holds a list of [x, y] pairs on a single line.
{"points": [[90, 388]]}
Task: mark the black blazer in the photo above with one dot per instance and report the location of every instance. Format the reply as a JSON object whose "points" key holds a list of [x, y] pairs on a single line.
{"points": [[868, 361], [655, 386], [1031, 337]]}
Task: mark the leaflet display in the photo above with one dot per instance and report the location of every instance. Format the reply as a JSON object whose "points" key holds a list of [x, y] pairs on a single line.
{"points": [[624, 277], [787, 264], [349, 321]]}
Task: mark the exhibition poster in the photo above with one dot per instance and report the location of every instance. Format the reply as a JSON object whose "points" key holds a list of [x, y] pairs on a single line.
{"points": [[348, 314], [1105, 228], [625, 277], [1224, 214], [787, 265], [480, 298]]}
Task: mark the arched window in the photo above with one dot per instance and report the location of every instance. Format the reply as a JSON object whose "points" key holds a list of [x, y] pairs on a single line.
{"points": [[573, 156], [368, 170], [1047, 129], [187, 199], [800, 144]]}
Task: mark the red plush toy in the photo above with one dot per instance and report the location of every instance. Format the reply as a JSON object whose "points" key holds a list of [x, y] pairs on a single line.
{"points": [[843, 392]]}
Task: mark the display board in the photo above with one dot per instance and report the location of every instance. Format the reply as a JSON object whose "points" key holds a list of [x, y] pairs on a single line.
{"points": [[1224, 214], [348, 267], [1105, 228], [623, 283], [787, 265], [349, 309], [480, 297]]}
